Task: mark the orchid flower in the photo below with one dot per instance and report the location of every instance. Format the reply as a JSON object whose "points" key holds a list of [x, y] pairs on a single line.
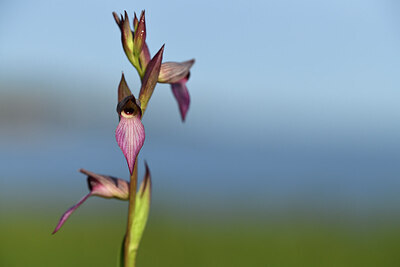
{"points": [[177, 74], [99, 185], [137, 51]]}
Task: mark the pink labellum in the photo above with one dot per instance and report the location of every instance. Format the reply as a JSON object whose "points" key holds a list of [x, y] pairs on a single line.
{"points": [[181, 94], [130, 137]]}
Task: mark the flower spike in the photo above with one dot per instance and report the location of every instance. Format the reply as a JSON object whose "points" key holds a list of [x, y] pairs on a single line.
{"points": [[130, 131], [99, 185]]}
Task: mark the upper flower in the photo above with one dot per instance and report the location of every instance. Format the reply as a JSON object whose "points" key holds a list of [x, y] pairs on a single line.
{"points": [[177, 74], [134, 41], [137, 51]]}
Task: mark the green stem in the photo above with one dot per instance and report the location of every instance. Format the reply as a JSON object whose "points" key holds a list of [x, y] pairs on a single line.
{"points": [[130, 250], [135, 61]]}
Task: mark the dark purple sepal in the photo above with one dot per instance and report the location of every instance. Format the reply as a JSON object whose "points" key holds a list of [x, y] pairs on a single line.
{"points": [[150, 79], [123, 89]]}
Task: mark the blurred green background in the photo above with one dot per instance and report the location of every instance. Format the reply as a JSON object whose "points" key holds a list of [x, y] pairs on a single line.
{"points": [[93, 240], [290, 152]]}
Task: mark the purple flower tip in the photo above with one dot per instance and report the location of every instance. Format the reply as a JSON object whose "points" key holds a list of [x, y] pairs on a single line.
{"points": [[181, 94], [68, 213]]}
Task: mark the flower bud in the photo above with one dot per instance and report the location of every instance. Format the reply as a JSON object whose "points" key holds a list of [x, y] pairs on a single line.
{"points": [[126, 34], [139, 38]]}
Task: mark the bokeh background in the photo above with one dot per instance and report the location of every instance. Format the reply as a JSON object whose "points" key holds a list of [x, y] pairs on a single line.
{"points": [[289, 155]]}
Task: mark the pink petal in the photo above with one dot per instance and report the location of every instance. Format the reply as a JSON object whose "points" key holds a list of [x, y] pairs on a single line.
{"points": [[130, 138], [181, 94], [106, 186], [173, 72], [68, 213]]}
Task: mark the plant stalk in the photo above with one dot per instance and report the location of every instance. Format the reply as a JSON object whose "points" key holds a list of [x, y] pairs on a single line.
{"points": [[129, 250]]}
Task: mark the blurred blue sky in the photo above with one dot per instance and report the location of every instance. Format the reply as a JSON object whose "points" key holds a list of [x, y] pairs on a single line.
{"points": [[291, 100]]}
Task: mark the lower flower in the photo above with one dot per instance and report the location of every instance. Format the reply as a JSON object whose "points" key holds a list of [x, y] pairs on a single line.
{"points": [[99, 185]]}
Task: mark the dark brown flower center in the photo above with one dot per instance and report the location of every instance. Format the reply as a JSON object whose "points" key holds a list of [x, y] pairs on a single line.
{"points": [[129, 110]]}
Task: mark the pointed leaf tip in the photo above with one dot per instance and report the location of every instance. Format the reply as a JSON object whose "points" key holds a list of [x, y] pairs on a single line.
{"points": [[135, 22], [123, 89], [116, 18], [146, 184]]}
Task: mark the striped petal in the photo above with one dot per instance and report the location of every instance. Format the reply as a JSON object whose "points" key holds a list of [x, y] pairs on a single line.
{"points": [[130, 137]]}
